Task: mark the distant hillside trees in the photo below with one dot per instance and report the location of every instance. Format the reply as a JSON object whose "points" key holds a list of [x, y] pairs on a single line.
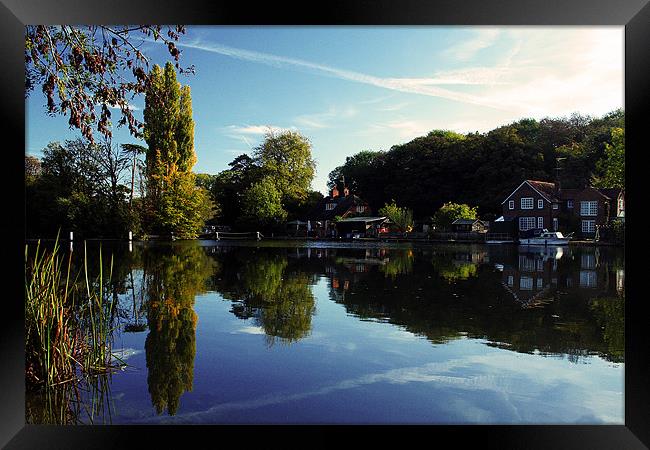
{"points": [[483, 168]]}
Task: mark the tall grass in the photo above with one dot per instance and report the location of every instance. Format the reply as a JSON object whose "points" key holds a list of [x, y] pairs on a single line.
{"points": [[68, 328]]}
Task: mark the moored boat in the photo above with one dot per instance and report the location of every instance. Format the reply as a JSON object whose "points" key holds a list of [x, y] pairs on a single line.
{"points": [[546, 238]]}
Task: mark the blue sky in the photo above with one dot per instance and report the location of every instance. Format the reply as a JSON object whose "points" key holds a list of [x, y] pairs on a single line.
{"points": [[350, 89]]}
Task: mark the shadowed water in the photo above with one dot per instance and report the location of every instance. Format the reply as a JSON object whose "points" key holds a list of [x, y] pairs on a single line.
{"points": [[288, 332]]}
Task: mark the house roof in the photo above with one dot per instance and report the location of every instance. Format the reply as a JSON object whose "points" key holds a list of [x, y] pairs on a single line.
{"points": [[544, 188], [611, 193], [465, 221], [362, 219], [343, 203]]}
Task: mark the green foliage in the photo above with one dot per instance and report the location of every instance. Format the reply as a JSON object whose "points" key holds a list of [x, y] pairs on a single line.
{"points": [[285, 158], [449, 212], [174, 204], [480, 169], [402, 217], [78, 186], [262, 203], [612, 165], [269, 187]]}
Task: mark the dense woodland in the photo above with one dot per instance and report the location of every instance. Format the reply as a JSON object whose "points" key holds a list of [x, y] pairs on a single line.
{"points": [[103, 190], [481, 169]]}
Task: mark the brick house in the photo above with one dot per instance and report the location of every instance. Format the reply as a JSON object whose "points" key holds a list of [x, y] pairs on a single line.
{"points": [[541, 204], [346, 205]]}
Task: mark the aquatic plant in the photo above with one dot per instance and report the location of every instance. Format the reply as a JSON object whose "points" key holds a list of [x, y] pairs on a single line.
{"points": [[68, 331]]}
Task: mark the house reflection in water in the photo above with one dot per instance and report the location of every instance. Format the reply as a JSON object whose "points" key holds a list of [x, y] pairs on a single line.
{"points": [[537, 275]]}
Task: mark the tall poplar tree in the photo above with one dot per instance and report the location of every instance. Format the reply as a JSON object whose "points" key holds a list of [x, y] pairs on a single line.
{"points": [[175, 204]]}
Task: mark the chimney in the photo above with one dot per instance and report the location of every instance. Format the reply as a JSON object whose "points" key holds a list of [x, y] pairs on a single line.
{"points": [[335, 192]]}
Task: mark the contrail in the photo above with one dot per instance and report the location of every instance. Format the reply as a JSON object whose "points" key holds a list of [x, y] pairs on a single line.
{"points": [[422, 86]]}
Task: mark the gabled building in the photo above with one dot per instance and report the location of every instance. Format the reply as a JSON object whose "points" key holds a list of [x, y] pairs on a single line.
{"points": [[343, 205], [540, 204], [469, 226]]}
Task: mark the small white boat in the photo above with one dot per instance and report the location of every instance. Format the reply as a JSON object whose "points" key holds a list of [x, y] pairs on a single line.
{"points": [[546, 238]]}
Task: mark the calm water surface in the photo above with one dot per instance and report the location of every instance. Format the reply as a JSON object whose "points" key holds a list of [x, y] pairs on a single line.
{"points": [[319, 333]]}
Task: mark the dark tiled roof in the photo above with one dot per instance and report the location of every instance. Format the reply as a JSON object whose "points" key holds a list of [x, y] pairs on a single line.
{"points": [[465, 221], [342, 205], [611, 193], [545, 188]]}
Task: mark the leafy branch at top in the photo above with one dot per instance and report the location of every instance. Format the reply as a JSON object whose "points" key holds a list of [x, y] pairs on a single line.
{"points": [[82, 68]]}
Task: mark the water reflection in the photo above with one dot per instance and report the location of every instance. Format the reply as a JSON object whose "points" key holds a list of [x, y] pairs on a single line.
{"points": [[564, 302], [174, 277]]}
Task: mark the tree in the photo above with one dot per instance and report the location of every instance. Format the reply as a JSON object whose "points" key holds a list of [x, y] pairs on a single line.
{"points": [[285, 158], [175, 204], [612, 165], [402, 217], [262, 203], [79, 188], [134, 150], [449, 212], [83, 68]]}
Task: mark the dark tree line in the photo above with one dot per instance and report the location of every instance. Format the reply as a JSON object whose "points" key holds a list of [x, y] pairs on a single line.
{"points": [[481, 169]]}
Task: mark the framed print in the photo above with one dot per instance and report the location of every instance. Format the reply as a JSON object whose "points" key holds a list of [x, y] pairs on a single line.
{"points": [[367, 218]]}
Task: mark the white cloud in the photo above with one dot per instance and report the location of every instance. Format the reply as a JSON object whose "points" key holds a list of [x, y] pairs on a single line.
{"points": [[467, 49], [325, 119]]}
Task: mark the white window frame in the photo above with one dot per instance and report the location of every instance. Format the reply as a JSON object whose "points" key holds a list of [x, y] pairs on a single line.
{"points": [[588, 226], [589, 208], [511, 204], [528, 221], [540, 204], [569, 204], [556, 206], [540, 222], [556, 224], [330, 206], [360, 208], [529, 201], [526, 283]]}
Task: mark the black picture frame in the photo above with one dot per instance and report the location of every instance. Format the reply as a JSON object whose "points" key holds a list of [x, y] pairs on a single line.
{"points": [[633, 14]]}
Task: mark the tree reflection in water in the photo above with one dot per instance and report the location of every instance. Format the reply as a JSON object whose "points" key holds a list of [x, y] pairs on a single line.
{"points": [[174, 276], [277, 297]]}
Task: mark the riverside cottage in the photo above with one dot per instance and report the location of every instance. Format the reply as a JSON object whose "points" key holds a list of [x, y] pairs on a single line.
{"points": [[540, 204], [321, 218]]}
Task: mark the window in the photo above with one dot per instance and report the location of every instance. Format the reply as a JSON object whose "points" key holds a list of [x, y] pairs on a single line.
{"points": [[361, 208], [555, 206], [526, 223], [588, 278], [569, 204], [526, 283], [555, 224], [587, 261], [540, 204], [330, 206], [540, 283], [511, 204], [588, 226], [589, 208], [621, 207], [511, 280], [527, 203], [540, 222]]}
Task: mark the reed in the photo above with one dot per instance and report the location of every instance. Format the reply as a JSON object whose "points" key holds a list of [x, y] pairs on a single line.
{"points": [[68, 328]]}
